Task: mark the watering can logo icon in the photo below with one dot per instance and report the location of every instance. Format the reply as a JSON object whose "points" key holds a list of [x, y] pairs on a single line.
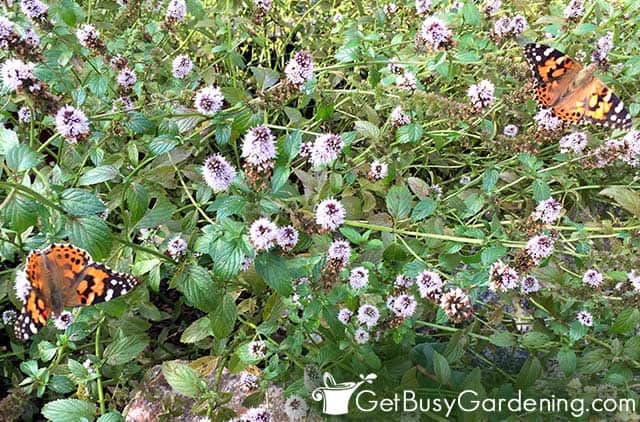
{"points": [[335, 397]]}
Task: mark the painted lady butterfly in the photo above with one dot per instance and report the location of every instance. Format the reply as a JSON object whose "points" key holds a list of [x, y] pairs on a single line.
{"points": [[572, 91], [61, 276]]}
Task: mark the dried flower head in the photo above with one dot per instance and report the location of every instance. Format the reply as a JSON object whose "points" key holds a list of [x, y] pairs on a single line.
{"points": [[218, 173], [457, 305], [407, 82]]}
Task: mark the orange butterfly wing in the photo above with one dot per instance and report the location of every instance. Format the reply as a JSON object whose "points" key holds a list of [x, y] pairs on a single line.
{"points": [[61, 276]]}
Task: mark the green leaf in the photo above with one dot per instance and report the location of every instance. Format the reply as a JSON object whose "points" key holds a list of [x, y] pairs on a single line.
{"points": [[424, 209], [124, 349], [111, 417], [492, 254], [228, 256], [489, 179], [274, 271], [441, 368], [534, 340], [162, 144], [8, 140], [198, 289], [81, 203], [541, 190], [265, 78], [471, 14], [585, 28], [399, 202], [137, 201], [529, 373], [503, 339], [139, 123], [160, 214], [21, 158], [69, 410], [409, 134], [279, 178], [627, 321], [567, 361], [98, 84], [367, 129], [223, 319], [198, 330], [98, 175], [291, 145], [20, 212], [183, 379], [625, 198], [91, 233]]}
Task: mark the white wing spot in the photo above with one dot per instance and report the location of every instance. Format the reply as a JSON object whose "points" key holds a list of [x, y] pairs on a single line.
{"points": [[109, 295], [548, 51], [619, 107]]}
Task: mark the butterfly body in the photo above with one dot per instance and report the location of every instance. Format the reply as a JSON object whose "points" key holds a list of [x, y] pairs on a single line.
{"points": [[573, 92], [65, 276]]}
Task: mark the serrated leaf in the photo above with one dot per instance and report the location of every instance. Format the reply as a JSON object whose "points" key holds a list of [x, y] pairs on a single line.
{"points": [[626, 321], [198, 330], [91, 233], [111, 417], [567, 361], [411, 133], [274, 271], [534, 340], [489, 179], [625, 198], [159, 214], [541, 190], [8, 140], [224, 317], [81, 203], [183, 379], [20, 158], [441, 368], [98, 85], [98, 175], [198, 289], [20, 212], [503, 339], [367, 129], [529, 373], [423, 209], [265, 78], [162, 144], [137, 201], [398, 201], [124, 349], [69, 410], [139, 123]]}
